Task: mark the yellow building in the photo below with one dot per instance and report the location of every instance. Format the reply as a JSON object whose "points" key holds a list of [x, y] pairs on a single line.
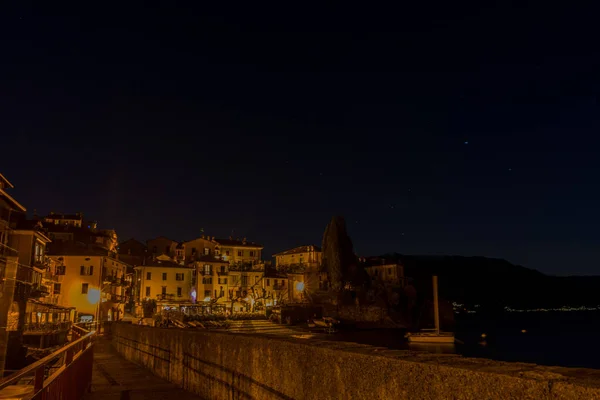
{"points": [[75, 220], [239, 251], [303, 267], [161, 245], [308, 256], [381, 270], [165, 281], [91, 281], [192, 250], [212, 280], [245, 286]]}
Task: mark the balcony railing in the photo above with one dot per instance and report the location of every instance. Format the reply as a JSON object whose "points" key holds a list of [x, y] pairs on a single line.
{"points": [[165, 296], [46, 327], [71, 380], [117, 298], [115, 281], [8, 251], [41, 262], [39, 291]]}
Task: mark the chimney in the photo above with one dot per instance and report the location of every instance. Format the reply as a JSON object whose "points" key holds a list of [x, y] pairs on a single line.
{"points": [[244, 241]]}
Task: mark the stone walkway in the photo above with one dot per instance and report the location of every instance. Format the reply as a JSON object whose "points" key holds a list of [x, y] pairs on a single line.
{"points": [[116, 378]]}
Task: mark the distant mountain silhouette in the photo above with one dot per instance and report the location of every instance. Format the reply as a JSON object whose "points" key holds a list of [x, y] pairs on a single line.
{"points": [[496, 282]]}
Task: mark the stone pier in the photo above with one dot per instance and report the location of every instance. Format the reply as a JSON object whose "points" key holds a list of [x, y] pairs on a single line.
{"points": [[216, 365]]}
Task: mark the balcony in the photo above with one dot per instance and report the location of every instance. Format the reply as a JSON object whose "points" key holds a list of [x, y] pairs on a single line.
{"points": [[46, 328], [165, 297], [6, 251], [41, 262], [117, 298], [38, 291], [113, 280]]}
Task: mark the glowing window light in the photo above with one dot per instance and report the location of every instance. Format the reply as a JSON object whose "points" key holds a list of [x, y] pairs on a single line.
{"points": [[93, 296], [300, 286]]}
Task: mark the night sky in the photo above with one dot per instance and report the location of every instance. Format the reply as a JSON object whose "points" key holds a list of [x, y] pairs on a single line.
{"points": [[445, 129]]}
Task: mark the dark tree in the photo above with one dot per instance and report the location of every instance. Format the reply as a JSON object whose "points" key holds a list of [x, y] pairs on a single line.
{"points": [[339, 260]]}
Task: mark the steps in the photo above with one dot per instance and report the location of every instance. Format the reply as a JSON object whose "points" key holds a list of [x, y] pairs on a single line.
{"points": [[259, 326]]}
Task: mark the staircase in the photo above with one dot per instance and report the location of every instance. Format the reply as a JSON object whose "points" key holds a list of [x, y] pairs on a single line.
{"points": [[260, 327]]}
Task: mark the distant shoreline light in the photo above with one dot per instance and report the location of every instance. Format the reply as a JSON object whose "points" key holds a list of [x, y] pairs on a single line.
{"points": [[461, 308]]}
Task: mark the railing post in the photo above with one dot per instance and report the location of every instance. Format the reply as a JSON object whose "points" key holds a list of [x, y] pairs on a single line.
{"points": [[69, 356], [38, 382]]}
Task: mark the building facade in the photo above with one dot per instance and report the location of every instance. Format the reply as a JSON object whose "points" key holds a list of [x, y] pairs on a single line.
{"points": [[25, 274], [93, 281], [161, 246], [383, 271], [165, 281], [239, 252], [308, 256]]}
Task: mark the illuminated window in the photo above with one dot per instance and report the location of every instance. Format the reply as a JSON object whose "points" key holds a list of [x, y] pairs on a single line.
{"points": [[206, 251], [86, 270], [84, 288]]}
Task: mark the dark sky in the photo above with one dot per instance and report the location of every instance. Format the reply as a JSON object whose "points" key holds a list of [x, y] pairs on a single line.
{"points": [[445, 129]]}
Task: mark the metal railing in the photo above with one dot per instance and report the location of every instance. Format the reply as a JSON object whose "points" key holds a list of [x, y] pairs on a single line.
{"points": [[65, 374], [46, 327]]}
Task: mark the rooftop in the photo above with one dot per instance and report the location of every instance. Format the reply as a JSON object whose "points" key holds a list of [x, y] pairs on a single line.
{"points": [[238, 243], [76, 249], [297, 250], [374, 261], [15, 204], [161, 263], [6, 182], [54, 215], [209, 258]]}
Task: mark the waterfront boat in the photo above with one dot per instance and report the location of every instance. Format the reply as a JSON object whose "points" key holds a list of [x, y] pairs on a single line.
{"points": [[432, 335]]}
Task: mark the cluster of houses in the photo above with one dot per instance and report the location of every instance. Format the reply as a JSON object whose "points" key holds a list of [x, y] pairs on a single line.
{"points": [[62, 268]]}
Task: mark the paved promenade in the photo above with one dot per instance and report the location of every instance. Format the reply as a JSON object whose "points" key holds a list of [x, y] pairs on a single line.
{"points": [[115, 378]]}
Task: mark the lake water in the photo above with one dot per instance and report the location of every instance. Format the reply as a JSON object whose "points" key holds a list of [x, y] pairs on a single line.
{"points": [[569, 339]]}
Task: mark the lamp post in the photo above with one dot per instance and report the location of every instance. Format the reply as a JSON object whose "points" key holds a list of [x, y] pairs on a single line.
{"points": [[94, 297]]}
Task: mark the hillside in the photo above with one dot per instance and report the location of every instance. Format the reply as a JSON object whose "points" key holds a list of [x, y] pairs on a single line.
{"points": [[496, 282]]}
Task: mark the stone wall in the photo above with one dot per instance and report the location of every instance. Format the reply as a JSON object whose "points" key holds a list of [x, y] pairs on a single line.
{"points": [[234, 366]]}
